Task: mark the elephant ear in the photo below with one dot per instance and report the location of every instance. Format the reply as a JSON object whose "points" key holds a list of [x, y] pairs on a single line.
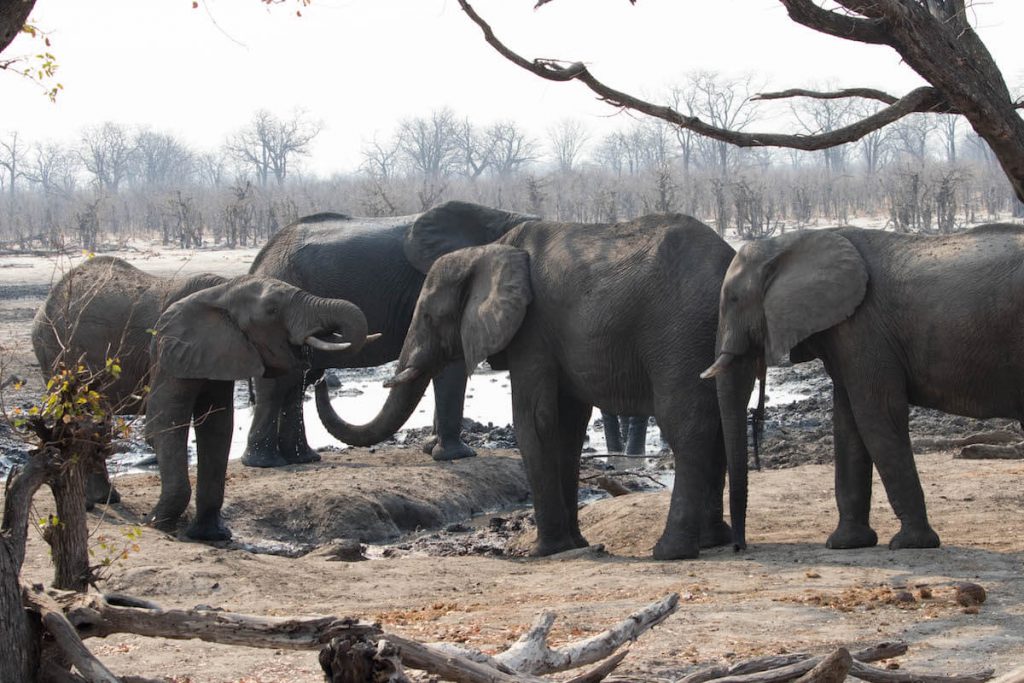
{"points": [[497, 295], [197, 339], [814, 282], [455, 225]]}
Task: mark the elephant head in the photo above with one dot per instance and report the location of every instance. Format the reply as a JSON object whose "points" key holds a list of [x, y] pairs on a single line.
{"points": [[776, 293], [251, 326], [455, 225], [471, 306]]}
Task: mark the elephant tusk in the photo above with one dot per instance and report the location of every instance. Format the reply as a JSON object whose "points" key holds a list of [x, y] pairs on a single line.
{"points": [[326, 346], [407, 375], [721, 363], [373, 337]]}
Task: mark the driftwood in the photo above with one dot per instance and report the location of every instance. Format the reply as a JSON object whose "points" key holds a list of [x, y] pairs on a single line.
{"points": [[998, 444], [777, 669], [352, 650]]}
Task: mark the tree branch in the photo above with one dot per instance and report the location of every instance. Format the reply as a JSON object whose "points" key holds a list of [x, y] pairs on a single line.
{"points": [[873, 29], [924, 99], [22, 484], [864, 93]]}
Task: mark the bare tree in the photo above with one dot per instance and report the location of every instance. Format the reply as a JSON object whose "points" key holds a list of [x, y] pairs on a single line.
{"points": [[106, 152], [511, 148], [12, 156], [948, 129], [55, 169], [566, 141], [161, 160], [726, 103], [210, 168], [911, 135], [268, 145], [818, 116], [933, 37], [431, 145]]}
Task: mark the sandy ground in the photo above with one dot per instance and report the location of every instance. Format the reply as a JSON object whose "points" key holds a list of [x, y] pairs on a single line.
{"points": [[786, 593]]}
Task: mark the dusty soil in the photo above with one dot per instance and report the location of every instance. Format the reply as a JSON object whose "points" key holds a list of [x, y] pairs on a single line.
{"points": [[442, 570]]}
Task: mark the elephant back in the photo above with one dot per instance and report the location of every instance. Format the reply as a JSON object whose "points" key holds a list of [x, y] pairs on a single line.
{"points": [[106, 308]]}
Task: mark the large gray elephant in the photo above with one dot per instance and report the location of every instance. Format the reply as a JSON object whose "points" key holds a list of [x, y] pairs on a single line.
{"points": [[896, 319], [188, 339], [379, 265], [622, 316]]}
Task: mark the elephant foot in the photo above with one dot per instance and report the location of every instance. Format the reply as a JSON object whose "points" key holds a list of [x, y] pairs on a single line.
{"points": [[715, 534], [848, 536], [263, 457], [455, 451], [164, 522], [211, 529], [677, 547], [98, 489], [917, 536], [304, 455], [543, 548]]}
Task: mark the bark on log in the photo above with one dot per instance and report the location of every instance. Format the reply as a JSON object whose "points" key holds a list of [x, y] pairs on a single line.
{"points": [[67, 638], [753, 666], [832, 669], [983, 451], [875, 675]]}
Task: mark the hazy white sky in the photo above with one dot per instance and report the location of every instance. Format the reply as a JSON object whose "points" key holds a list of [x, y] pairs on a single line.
{"points": [[360, 66]]}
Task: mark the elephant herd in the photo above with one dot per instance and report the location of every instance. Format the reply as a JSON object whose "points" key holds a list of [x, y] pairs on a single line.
{"points": [[633, 317]]}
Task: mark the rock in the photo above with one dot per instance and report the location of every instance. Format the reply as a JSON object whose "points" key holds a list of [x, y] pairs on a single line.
{"points": [[969, 594]]}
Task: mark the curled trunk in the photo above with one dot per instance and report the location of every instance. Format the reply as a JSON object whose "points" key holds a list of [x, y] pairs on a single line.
{"points": [[330, 315], [401, 402]]}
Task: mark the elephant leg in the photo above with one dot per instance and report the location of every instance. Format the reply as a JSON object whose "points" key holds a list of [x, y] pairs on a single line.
{"points": [[535, 416], [449, 397], [612, 433], [214, 424], [262, 449], [168, 416], [882, 419], [636, 440], [573, 417], [713, 529], [291, 434], [693, 434], [853, 478], [98, 489]]}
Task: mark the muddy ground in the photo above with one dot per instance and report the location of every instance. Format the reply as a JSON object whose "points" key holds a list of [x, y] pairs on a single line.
{"points": [[446, 545]]}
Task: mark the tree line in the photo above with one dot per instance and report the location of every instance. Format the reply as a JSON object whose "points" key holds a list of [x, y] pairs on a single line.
{"points": [[923, 173]]}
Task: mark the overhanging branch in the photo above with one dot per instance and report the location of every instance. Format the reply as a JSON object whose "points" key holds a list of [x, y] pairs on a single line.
{"points": [[924, 99]]}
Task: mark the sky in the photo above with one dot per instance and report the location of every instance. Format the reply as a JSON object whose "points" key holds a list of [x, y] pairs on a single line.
{"points": [[362, 66]]}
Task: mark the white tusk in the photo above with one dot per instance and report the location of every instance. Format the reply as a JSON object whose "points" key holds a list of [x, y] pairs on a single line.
{"points": [[721, 363], [407, 375], [326, 346], [373, 337]]}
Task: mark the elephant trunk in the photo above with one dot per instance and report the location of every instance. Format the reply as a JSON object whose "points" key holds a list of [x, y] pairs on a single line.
{"points": [[314, 317], [734, 385], [402, 400]]}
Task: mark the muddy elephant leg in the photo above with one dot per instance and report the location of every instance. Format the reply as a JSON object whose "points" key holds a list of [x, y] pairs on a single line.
{"points": [[573, 417], [853, 478], [612, 433], [261, 448], [449, 398], [881, 412], [168, 416], [636, 440], [214, 425], [693, 434], [291, 434]]}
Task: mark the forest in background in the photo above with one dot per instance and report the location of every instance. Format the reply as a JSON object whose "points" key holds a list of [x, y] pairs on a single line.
{"points": [[115, 183]]}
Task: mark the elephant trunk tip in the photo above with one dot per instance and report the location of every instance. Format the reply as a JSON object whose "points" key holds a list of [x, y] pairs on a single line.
{"points": [[720, 364]]}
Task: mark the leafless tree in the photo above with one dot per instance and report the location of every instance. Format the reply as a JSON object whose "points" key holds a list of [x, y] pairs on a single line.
{"points": [[54, 169], [566, 141], [726, 103], [269, 144], [161, 160], [12, 157], [211, 168], [933, 37], [817, 116], [948, 126], [511, 148], [911, 135], [430, 145], [106, 152]]}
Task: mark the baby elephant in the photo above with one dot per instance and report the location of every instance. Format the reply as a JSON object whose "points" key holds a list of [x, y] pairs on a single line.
{"points": [[188, 339]]}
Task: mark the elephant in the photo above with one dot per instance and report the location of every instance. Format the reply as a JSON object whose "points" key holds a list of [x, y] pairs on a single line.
{"points": [[632, 427], [187, 339], [897, 320], [379, 265], [622, 316]]}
